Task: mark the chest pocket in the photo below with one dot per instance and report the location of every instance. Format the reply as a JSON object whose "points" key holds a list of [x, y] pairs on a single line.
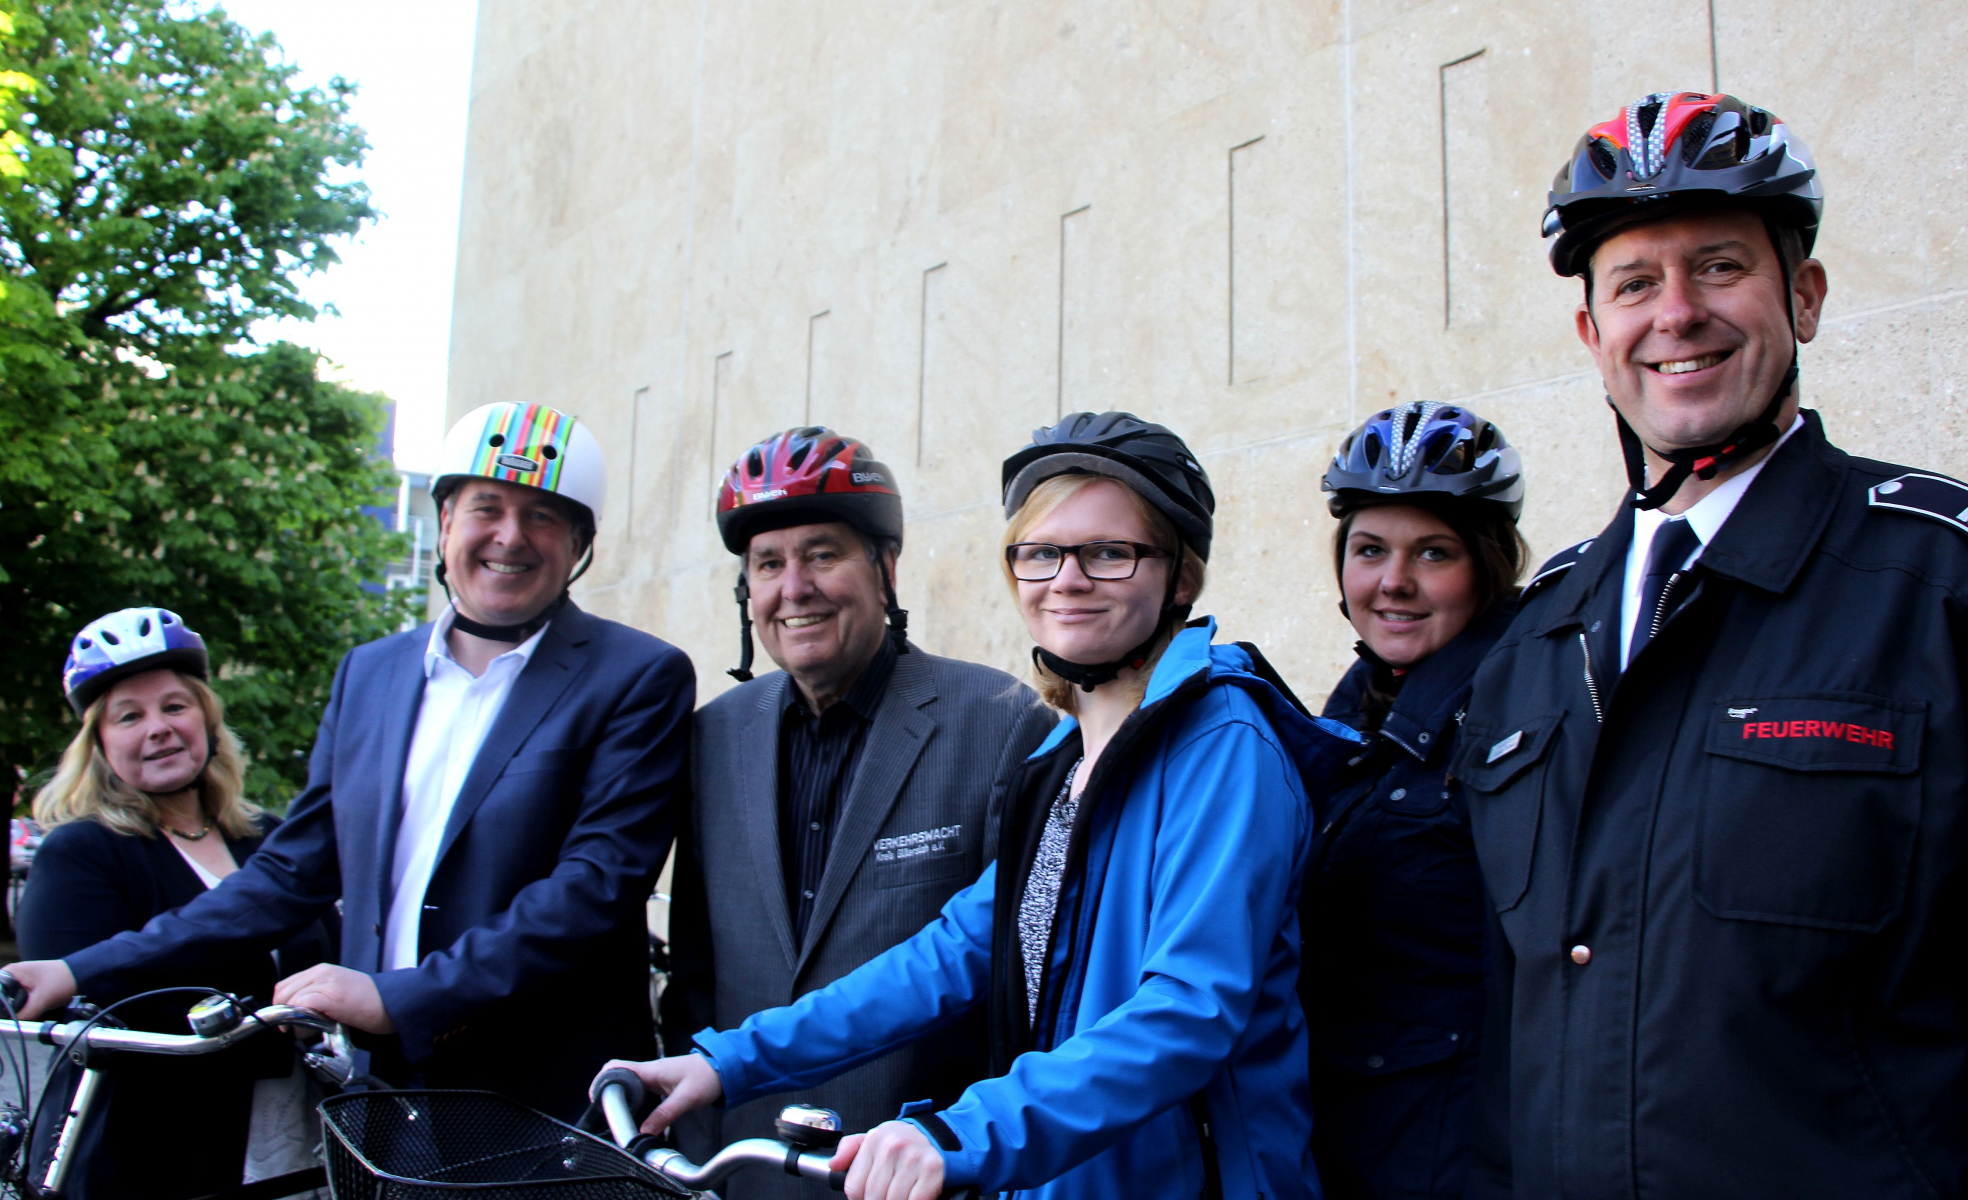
{"points": [[1810, 809], [922, 857], [1502, 769]]}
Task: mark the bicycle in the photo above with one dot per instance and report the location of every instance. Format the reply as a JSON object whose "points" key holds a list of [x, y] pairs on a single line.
{"points": [[218, 1021], [419, 1145]]}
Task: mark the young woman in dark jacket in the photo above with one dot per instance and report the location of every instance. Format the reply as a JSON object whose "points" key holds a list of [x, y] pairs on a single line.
{"points": [[1428, 555], [144, 813]]}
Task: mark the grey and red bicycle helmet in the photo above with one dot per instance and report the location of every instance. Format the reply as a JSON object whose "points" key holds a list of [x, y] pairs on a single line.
{"points": [[806, 476], [1676, 152], [125, 643], [1427, 450]]}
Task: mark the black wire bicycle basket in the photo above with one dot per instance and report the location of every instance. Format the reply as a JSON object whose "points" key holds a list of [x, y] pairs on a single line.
{"points": [[420, 1145]]}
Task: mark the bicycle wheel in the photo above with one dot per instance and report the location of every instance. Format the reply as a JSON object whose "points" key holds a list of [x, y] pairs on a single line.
{"points": [[420, 1145]]}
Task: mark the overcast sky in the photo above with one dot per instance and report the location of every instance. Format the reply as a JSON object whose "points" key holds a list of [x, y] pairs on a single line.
{"points": [[411, 62]]}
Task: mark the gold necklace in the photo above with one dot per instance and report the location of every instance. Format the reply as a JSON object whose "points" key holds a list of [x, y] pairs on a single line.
{"points": [[189, 837]]}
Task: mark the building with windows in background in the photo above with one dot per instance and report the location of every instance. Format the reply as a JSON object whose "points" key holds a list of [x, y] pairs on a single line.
{"points": [[937, 226]]}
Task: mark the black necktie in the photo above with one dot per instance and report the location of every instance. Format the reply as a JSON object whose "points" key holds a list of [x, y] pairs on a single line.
{"points": [[1674, 541]]}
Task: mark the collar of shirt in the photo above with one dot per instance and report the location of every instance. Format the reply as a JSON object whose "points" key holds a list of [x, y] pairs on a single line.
{"points": [[1705, 516], [439, 648], [865, 696]]}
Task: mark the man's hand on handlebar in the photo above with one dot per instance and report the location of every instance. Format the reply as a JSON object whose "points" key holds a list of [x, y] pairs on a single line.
{"points": [[338, 993], [49, 984], [685, 1081], [893, 1161]]}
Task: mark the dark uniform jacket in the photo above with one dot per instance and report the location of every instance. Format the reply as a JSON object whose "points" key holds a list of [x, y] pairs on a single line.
{"points": [[1392, 921], [917, 825], [1729, 883]]}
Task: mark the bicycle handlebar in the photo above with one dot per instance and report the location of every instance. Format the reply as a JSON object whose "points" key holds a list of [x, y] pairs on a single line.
{"points": [[619, 1091], [102, 1037]]}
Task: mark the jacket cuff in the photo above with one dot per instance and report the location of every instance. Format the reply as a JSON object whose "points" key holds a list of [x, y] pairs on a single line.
{"points": [[960, 1167], [721, 1051], [415, 1033]]}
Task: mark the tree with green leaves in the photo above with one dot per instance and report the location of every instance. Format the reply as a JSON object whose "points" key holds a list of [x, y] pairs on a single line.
{"points": [[164, 184]]}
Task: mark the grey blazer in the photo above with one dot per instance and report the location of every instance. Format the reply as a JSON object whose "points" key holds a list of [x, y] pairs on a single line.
{"points": [[919, 824]]}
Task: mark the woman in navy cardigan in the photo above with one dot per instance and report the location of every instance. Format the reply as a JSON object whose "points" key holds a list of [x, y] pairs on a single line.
{"points": [[144, 814]]}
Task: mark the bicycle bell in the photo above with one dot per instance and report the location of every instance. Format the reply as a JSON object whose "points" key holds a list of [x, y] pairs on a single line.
{"points": [[214, 1015], [808, 1127]]}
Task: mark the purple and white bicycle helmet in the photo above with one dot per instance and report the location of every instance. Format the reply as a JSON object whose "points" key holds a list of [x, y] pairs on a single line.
{"points": [[128, 643], [1427, 449]]}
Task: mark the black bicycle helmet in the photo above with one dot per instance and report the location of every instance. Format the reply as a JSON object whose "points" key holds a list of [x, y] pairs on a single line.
{"points": [[1145, 456], [1425, 450]]}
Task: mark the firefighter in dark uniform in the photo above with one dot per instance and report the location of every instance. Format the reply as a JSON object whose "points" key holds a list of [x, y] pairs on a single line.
{"points": [[1715, 769], [1391, 910]]}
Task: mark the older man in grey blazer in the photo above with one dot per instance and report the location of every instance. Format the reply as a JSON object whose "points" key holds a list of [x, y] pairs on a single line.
{"points": [[839, 801]]}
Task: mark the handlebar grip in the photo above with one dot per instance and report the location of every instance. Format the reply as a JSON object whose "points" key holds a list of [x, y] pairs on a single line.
{"points": [[14, 992], [629, 1081]]}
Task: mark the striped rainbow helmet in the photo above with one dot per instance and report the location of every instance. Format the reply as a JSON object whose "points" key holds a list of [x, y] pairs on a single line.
{"points": [[528, 444]]}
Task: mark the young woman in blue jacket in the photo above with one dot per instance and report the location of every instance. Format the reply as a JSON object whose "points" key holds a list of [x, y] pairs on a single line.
{"points": [[1136, 943], [1428, 555]]}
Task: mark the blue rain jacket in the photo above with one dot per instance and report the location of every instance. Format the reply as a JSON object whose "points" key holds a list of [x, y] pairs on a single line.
{"points": [[1170, 1003]]}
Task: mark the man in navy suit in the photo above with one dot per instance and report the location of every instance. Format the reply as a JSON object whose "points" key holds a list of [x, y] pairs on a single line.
{"points": [[490, 799]]}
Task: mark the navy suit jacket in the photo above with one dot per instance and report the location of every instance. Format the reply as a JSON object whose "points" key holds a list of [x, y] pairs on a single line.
{"points": [[535, 955]]}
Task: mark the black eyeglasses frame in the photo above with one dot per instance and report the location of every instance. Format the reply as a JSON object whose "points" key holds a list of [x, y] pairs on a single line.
{"points": [[1141, 551]]}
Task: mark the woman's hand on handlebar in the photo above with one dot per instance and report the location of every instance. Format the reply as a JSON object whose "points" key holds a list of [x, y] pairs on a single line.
{"points": [[685, 1081], [49, 984], [894, 1161]]}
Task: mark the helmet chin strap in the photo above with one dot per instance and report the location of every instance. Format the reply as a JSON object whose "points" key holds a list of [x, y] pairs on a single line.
{"points": [[514, 634], [1700, 461], [1704, 461], [1090, 676]]}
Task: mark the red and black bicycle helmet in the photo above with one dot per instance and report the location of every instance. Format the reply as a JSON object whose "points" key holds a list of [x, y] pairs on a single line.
{"points": [[808, 476], [1675, 151], [1670, 153], [804, 476]]}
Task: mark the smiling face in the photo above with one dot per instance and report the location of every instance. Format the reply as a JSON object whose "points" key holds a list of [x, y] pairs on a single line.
{"points": [[1095, 620], [508, 550], [1689, 327], [1410, 582], [818, 604], [153, 732]]}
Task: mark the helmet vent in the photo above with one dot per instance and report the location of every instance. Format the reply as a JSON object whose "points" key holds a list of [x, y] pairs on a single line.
{"points": [[85, 643], [798, 456], [832, 448], [496, 440], [549, 452], [754, 464], [111, 638], [1604, 160], [1695, 136], [143, 627]]}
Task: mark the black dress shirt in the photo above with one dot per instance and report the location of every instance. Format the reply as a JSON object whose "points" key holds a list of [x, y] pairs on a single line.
{"points": [[817, 757]]}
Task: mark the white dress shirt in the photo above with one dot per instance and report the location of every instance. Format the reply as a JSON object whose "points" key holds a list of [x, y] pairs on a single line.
{"points": [[1705, 517], [452, 722]]}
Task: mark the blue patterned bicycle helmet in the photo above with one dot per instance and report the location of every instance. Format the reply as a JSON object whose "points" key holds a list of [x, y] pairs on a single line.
{"points": [[1425, 449], [128, 643]]}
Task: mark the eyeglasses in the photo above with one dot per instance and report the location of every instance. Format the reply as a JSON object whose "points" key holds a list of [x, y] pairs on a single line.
{"points": [[1036, 562]]}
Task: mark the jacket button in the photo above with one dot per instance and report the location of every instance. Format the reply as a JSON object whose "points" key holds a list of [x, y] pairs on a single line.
{"points": [[1581, 955], [1398, 794], [1376, 1061]]}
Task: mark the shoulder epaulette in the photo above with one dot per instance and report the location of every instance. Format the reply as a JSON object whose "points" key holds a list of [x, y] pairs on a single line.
{"points": [[1935, 497], [1556, 566]]}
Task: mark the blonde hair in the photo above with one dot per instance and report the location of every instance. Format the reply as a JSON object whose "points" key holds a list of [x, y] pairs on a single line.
{"points": [[84, 787], [1040, 504]]}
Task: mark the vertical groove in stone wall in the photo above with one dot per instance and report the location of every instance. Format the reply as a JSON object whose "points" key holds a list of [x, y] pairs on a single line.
{"points": [[1255, 222]]}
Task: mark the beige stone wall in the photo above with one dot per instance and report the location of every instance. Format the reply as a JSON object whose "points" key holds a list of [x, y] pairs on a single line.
{"points": [[936, 225]]}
